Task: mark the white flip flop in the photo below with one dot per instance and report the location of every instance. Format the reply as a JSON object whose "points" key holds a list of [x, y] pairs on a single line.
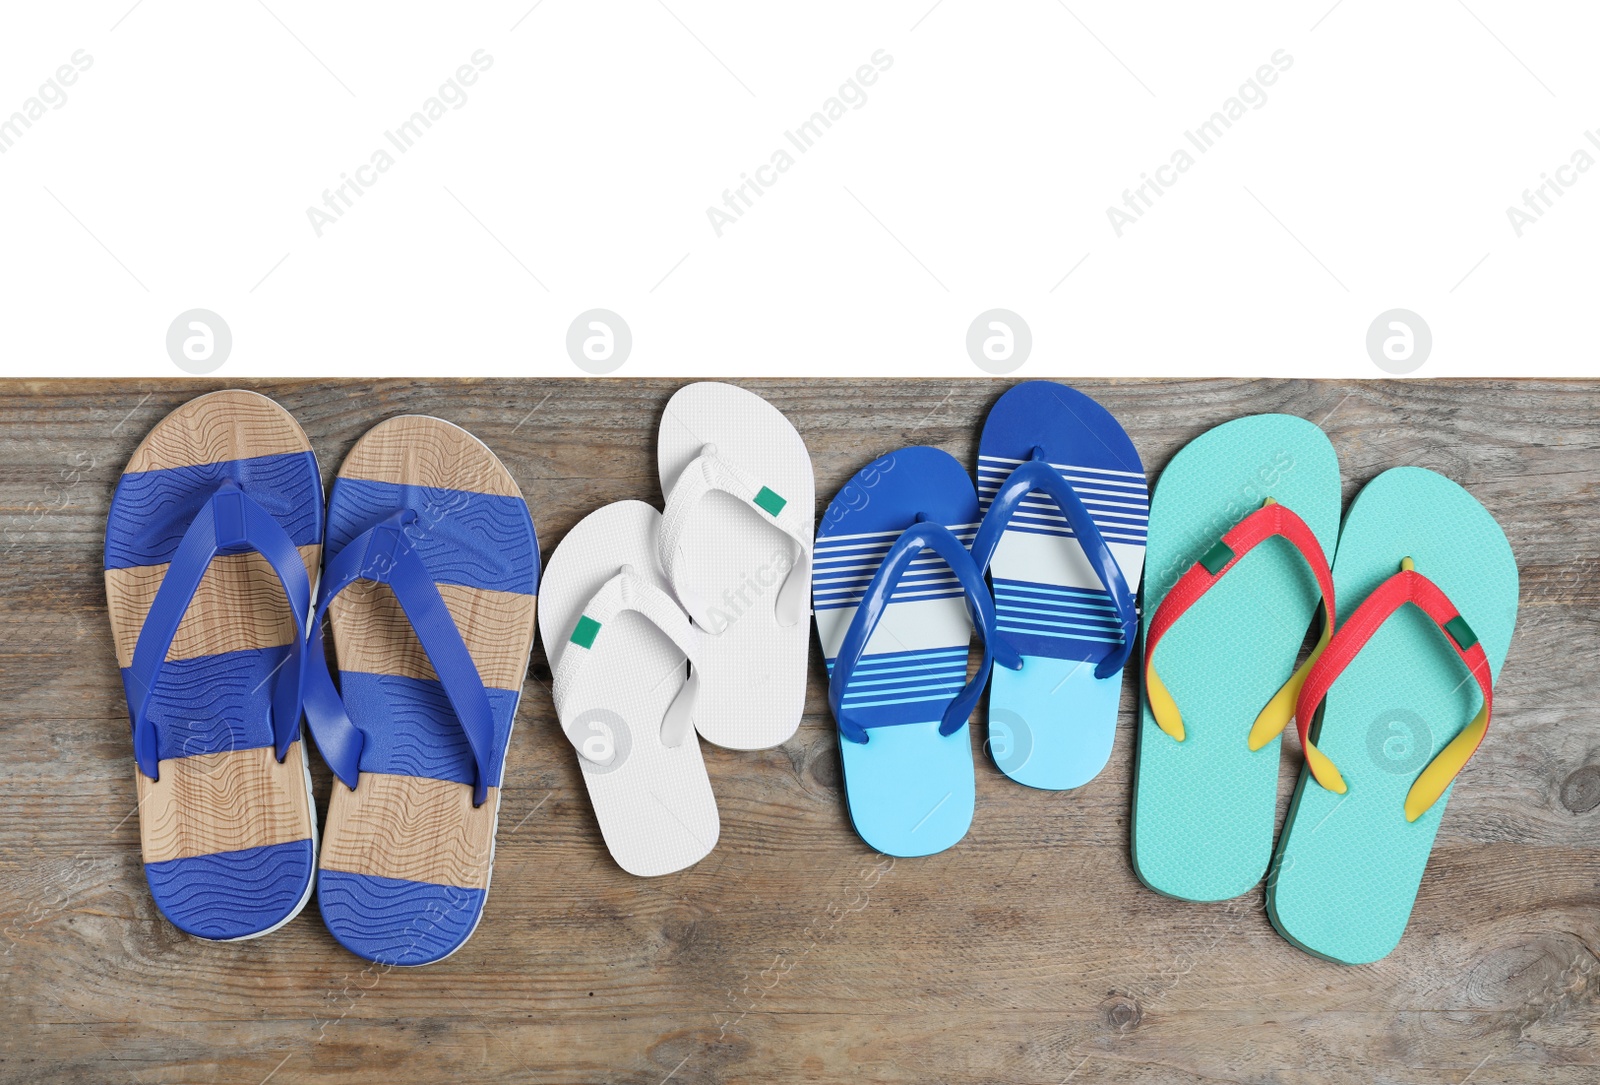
{"points": [[617, 644], [735, 545]]}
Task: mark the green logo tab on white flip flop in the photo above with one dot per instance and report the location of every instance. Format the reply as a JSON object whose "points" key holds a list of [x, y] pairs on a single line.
{"points": [[587, 629], [769, 502]]}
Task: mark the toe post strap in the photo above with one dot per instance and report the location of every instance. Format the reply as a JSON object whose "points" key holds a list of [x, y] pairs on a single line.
{"points": [[1038, 475], [230, 522], [920, 536], [1272, 519], [628, 591], [383, 554], [711, 472], [1406, 586]]}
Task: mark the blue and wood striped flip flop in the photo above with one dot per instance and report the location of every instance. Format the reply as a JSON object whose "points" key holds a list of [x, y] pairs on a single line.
{"points": [[212, 541], [1065, 512], [897, 599], [430, 585]]}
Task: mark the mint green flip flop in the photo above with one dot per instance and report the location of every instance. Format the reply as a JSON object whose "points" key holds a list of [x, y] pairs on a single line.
{"points": [[1241, 524], [1401, 697]]}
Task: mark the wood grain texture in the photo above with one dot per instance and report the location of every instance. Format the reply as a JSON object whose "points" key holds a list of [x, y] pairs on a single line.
{"points": [[239, 606], [1029, 953], [415, 450], [372, 634], [240, 602], [232, 424], [225, 801], [412, 828]]}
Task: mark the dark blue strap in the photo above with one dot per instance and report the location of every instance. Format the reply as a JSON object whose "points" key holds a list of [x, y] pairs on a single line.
{"points": [[229, 523], [383, 554], [1037, 474], [923, 535]]}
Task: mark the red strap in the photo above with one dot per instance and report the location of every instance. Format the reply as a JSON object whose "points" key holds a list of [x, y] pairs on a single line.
{"points": [[1269, 520], [1406, 586]]}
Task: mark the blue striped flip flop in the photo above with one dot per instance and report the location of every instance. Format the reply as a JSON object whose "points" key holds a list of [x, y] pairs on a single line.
{"points": [[213, 538], [1065, 509], [430, 583], [893, 588]]}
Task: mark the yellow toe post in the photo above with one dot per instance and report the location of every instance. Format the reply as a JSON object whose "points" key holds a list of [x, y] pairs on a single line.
{"points": [[1323, 770], [1442, 770], [1162, 706], [1280, 710]]}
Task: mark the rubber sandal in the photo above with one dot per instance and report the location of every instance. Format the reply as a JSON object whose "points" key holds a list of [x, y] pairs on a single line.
{"points": [[1241, 524], [897, 598], [1404, 695], [1065, 508], [617, 644], [735, 543], [212, 540], [430, 582]]}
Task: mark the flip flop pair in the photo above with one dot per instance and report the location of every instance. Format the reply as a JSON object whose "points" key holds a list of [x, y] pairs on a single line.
{"points": [[898, 589], [213, 544], [1389, 705], [661, 626]]}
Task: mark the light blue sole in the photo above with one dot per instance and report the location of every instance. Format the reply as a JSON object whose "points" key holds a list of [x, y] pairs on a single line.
{"points": [[1056, 722], [922, 788]]}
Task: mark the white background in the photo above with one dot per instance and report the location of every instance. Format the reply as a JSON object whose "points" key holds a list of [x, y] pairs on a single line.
{"points": [[977, 175]]}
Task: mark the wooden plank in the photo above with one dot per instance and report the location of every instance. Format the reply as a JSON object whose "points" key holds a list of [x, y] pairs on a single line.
{"points": [[1028, 953]]}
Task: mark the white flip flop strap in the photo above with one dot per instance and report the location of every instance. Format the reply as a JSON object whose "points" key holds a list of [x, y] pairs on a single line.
{"points": [[708, 472], [627, 591]]}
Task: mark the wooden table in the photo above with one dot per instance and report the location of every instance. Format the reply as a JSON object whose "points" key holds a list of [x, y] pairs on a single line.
{"points": [[1028, 953]]}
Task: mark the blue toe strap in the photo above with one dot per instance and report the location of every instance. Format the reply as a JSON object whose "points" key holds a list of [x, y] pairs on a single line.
{"points": [[229, 523], [1038, 475], [923, 535], [383, 554]]}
